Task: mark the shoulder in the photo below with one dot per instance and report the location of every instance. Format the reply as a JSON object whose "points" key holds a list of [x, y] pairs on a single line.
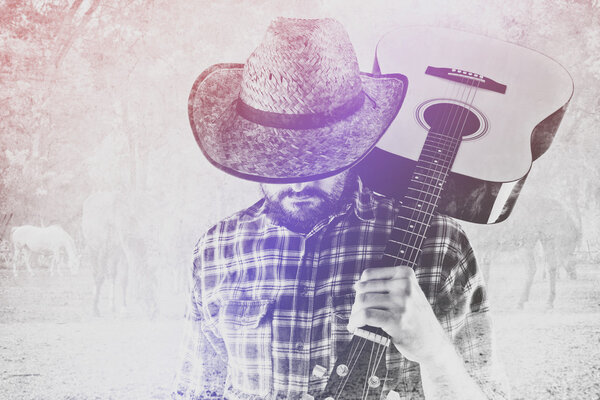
{"points": [[228, 227], [446, 249], [444, 229], [219, 241]]}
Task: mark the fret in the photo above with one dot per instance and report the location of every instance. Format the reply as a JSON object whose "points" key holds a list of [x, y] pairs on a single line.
{"points": [[422, 187], [433, 158], [397, 230], [439, 143], [442, 136], [430, 173], [437, 185], [419, 210], [421, 177], [390, 260], [419, 202], [404, 236], [435, 152], [434, 164], [444, 155], [403, 222], [417, 205], [399, 248], [433, 193]]}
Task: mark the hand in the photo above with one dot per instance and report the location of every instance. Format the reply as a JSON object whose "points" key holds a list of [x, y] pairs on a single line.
{"points": [[390, 298]]}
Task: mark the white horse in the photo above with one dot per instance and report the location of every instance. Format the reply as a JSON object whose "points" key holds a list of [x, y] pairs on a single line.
{"points": [[51, 240]]}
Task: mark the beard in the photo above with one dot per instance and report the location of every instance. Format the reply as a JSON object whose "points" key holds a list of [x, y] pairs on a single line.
{"points": [[302, 215]]}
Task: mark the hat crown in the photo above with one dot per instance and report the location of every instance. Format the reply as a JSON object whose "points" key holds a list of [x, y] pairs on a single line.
{"points": [[301, 67]]}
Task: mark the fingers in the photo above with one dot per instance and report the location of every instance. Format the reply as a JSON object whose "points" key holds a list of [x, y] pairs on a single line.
{"points": [[395, 280], [369, 316], [386, 273], [382, 301], [398, 286], [381, 297]]}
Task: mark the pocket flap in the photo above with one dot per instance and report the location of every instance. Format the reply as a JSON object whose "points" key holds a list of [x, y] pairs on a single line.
{"points": [[342, 306], [246, 312]]}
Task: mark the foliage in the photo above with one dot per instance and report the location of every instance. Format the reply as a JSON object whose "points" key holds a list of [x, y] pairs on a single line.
{"points": [[93, 93]]}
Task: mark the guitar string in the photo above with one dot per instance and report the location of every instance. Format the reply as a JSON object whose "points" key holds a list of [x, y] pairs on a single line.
{"points": [[351, 363], [408, 254], [381, 350], [342, 381], [414, 250], [379, 346], [406, 248], [375, 366], [345, 379], [385, 379], [368, 372], [447, 144], [352, 358], [378, 357]]}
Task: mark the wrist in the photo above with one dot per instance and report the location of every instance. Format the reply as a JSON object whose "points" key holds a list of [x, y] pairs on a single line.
{"points": [[442, 361]]}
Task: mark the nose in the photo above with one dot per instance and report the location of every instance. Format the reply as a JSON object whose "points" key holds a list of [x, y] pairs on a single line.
{"points": [[298, 187]]}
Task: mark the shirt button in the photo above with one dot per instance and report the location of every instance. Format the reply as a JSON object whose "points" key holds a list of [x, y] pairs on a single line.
{"points": [[299, 346]]}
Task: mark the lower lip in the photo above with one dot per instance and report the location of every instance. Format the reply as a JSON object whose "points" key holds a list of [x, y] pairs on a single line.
{"points": [[307, 199]]}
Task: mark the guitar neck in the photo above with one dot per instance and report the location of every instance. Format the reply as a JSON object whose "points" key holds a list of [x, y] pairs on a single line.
{"points": [[421, 200], [403, 248]]}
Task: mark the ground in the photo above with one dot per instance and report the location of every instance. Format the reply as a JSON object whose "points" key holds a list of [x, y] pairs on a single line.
{"points": [[51, 347]]}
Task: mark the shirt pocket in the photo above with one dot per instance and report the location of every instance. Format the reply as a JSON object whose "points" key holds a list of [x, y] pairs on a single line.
{"points": [[340, 314], [245, 326]]}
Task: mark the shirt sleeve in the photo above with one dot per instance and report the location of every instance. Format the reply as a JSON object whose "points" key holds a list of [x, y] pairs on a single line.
{"points": [[202, 369], [462, 309]]}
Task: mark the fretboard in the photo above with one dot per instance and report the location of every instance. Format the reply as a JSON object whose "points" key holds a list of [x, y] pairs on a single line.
{"points": [[421, 199]]}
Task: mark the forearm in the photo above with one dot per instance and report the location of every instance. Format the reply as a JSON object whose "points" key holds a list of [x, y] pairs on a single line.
{"points": [[446, 378]]}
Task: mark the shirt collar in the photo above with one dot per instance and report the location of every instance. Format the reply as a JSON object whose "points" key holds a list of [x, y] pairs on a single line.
{"points": [[364, 202]]}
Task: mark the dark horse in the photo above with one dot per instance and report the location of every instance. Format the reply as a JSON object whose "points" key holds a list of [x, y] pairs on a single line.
{"points": [[536, 222], [559, 236]]}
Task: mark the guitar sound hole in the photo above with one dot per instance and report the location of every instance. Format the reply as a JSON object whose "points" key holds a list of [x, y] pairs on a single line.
{"points": [[450, 116]]}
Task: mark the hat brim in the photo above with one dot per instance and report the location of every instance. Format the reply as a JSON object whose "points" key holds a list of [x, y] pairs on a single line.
{"points": [[274, 155]]}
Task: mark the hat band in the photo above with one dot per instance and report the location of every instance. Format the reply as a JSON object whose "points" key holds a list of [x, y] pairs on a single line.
{"points": [[300, 121]]}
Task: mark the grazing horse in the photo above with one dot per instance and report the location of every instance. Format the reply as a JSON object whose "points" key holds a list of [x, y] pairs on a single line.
{"points": [[51, 240]]}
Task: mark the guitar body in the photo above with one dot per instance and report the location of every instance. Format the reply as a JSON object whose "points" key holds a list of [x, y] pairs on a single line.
{"points": [[515, 123]]}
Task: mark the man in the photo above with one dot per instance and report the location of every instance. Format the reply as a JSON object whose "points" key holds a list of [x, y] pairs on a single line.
{"points": [[280, 286]]}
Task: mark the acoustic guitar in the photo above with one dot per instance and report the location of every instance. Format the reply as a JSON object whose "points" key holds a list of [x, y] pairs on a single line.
{"points": [[477, 112]]}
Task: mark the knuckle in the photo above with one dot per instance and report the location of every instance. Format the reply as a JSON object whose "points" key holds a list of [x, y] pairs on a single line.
{"points": [[366, 274]]}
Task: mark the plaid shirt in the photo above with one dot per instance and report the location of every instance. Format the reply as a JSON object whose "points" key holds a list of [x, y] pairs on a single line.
{"points": [[269, 304]]}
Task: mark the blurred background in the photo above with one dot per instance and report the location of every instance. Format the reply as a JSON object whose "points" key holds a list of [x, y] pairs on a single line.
{"points": [[95, 141]]}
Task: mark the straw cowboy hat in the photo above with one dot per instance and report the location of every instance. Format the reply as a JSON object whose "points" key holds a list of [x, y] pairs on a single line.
{"points": [[298, 110]]}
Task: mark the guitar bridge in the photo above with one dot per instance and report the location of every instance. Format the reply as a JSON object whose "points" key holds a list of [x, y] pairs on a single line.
{"points": [[467, 77]]}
